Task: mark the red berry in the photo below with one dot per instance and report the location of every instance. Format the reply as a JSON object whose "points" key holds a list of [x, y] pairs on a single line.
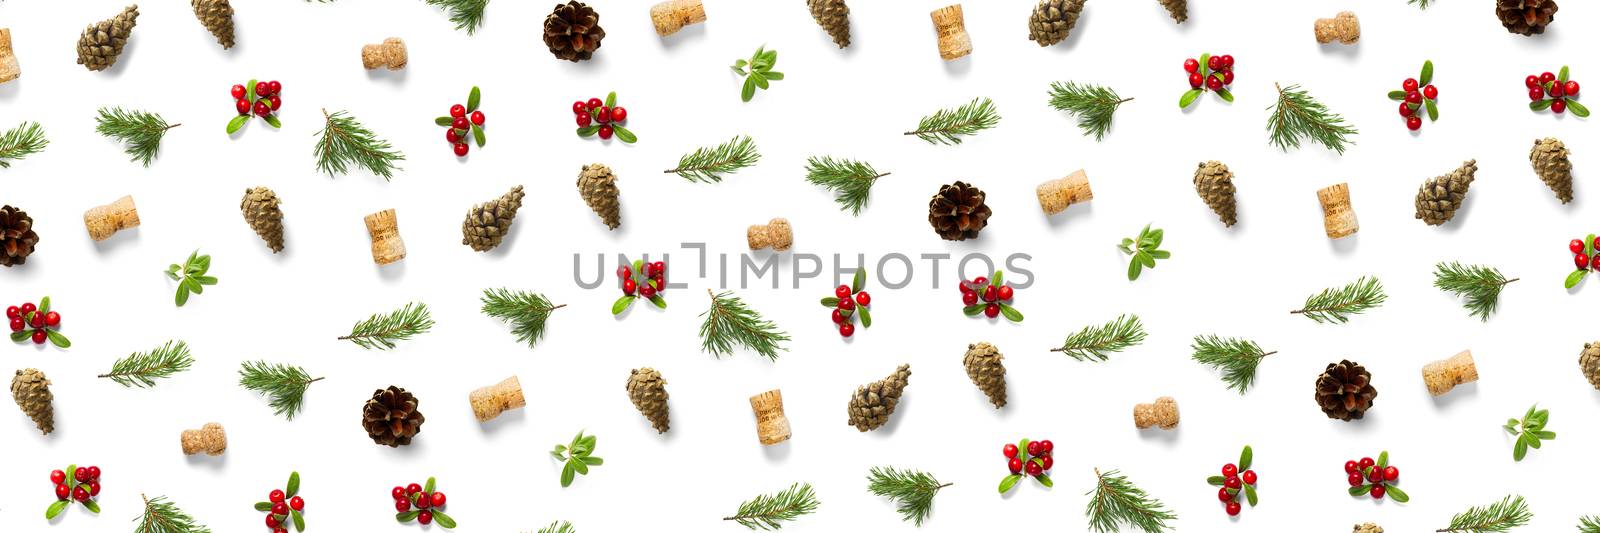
{"points": [[452, 135], [477, 118], [1547, 77], [458, 111], [37, 320], [297, 503], [1213, 83], [262, 89], [1366, 462], [281, 529], [838, 317], [1232, 482], [402, 505], [594, 103], [94, 488], [1536, 94], [1249, 477], [58, 477], [1033, 447], [62, 491], [862, 298], [1034, 469], [1227, 77], [624, 271], [425, 517], [237, 92], [38, 336], [263, 108], [242, 106], [273, 87], [1391, 473], [1409, 85], [991, 311], [647, 292], [847, 329], [1045, 446], [1049, 462], [990, 293], [280, 508], [1572, 88], [1224, 495], [1377, 492], [605, 132], [81, 494], [578, 108], [272, 521], [1576, 246], [1214, 62], [276, 102], [846, 304], [424, 500], [1195, 80], [1531, 81], [1558, 106], [13, 312], [1010, 450], [438, 499], [1406, 110], [1190, 65], [28, 308], [52, 318], [399, 493], [1430, 92], [584, 120], [1229, 470], [81, 474], [1557, 91], [1594, 262], [976, 282], [275, 496], [459, 123], [842, 291], [969, 298], [1227, 61], [413, 489], [1413, 97], [17, 325], [619, 114], [628, 286], [1015, 464], [1413, 123], [658, 268], [1005, 294], [1375, 476], [460, 149], [1355, 479], [1233, 508], [603, 116]]}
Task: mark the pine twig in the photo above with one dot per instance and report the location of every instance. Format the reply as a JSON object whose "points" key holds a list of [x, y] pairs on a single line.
{"points": [[1480, 285], [1336, 305], [708, 164], [911, 490], [285, 384], [1509, 512], [141, 130], [22, 141], [344, 142], [1093, 343], [1093, 104], [768, 512], [851, 180], [1296, 116], [1589, 524], [527, 311], [1422, 4], [160, 515], [947, 126], [559, 526], [1116, 502], [381, 331], [466, 14], [729, 321], [143, 369], [1236, 358]]}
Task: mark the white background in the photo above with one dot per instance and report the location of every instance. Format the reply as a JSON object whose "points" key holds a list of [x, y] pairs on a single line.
{"points": [[851, 103]]}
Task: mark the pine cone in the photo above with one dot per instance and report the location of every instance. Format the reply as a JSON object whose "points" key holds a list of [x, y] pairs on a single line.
{"points": [[17, 237], [32, 392], [872, 404], [489, 222], [834, 17], [1178, 8], [1052, 20], [260, 207], [958, 213], [1440, 197], [649, 394], [573, 31], [1214, 182], [217, 16], [1345, 391], [391, 417], [1368, 527], [1527, 17], [1589, 361], [102, 42], [598, 186], [1549, 158], [985, 367]]}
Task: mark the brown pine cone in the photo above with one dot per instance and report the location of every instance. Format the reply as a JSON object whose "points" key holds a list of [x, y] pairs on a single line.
{"points": [[1527, 17], [489, 222], [648, 392], [31, 390], [872, 404], [1179, 9], [1214, 182], [217, 16], [834, 17], [1344, 391], [1589, 362], [1551, 161], [573, 31], [1440, 196], [985, 368], [1368, 527], [391, 417], [1052, 20], [598, 187], [958, 212], [17, 237], [261, 212], [102, 41]]}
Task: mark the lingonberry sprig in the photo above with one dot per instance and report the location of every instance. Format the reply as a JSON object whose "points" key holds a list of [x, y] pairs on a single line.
{"points": [[1554, 92], [642, 280], [1236, 479], [284, 507], [461, 124], [1031, 457], [848, 302], [1376, 478], [1582, 255], [603, 118], [421, 503], [193, 278], [82, 486], [1213, 73], [1529, 431], [263, 98], [576, 457], [996, 296], [38, 323], [1144, 250], [1418, 94]]}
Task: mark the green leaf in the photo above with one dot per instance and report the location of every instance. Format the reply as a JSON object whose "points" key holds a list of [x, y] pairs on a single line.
{"points": [[1226, 96], [205, 280], [1521, 449], [1577, 108], [71, 481], [1588, 245], [774, 76], [273, 120], [1188, 97], [1160, 254], [748, 90], [183, 293], [1044, 479], [1427, 73], [997, 279], [830, 302], [1397, 95], [294, 485], [1540, 105], [1022, 448], [19, 336], [1216, 481], [406, 516], [1245, 457], [474, 97], [250, 91], [1011, 313], [1433, 109], [92, 506], [621, 304], [1545, 435], [429, 486], [1398, 495], [263, 506], [567, 473], [623, 134], [477, 135], [440, 518], [659, 301], [592, 461], [866, 316], [300, 520], [611, 99], [61, 505], [859, 281], [1383, 459], [1575, 277], [588, 131], [1562, 77], [44, 305], [1250, 494], [1360, 490], [444, 121], [1009, 481], [57, 338], [1205, 65], [1134, 266], [973, 310], [236, 123]]}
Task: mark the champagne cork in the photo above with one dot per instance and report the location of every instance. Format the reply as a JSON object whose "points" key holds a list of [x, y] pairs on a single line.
{"points": [[390, 54], [954, 43], [674, 15], [775, 234], [1163, 413], [1445, 374], [771, 425], [1338, 219], [9, 69], [1343, 27], [209, 439], [384, 229], [489, 402], [1055, 195], [105, 220]]}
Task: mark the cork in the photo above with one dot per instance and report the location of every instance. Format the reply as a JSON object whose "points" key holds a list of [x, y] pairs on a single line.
{"points": [[1163, 413], [771, 425], [106, 220], [209, 439], [775, 234], [384, 229], [1055, 195], [1338, 219], [1344, 28], [9, 69], [674, 15], [489, 402], [390, 54], [1445, 374], [951, 25]]}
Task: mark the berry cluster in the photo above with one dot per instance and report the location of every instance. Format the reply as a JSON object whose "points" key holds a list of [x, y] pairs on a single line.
{"points": [[996, 297], [1236, 479], [849, 301], [1213, 73], [82, 487], [1416, 94], [603, 118], [421, 503], [263, 98], [284, 507], [36, 322], [461, 124], [1375, 477], [643, 280], [1031, 457], [1583, 255], [1554, 92]]}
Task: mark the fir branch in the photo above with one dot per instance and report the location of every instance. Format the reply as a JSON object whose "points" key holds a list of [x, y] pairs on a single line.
{"points": [[1296, 116], [1093, 343], [1499, 517], [1093, 104], [708, 164], [141, 130], [143, 369], [1529, 431], [559, 526], [344, 142], [1422, 4], [947, 126], [851, 180], [528, 311], [381, 331], [467, 14], [285, 384], [730, 321], [1236, 358], [162, 516], [911, 490], [1336, 305], [1589, 524], [22, 141], [768, 511], [1480, 285], [1117, 502]]}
